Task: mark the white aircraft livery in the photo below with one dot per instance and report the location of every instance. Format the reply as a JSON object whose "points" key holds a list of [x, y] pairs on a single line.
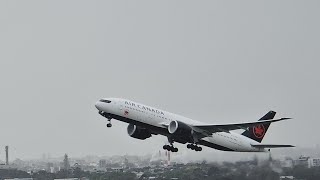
{"points": [[145, 121]]}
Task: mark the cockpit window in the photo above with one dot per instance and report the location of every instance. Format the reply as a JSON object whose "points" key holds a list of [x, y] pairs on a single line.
{"points": [[105, 101]]}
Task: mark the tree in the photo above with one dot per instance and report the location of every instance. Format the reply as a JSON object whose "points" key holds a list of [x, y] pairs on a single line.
{"points": [[66, 164]]}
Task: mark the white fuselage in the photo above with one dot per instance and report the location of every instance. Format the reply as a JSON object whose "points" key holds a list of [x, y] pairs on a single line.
{"points": [[136, 113]]}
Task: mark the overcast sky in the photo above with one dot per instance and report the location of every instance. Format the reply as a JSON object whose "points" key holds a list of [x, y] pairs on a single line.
{"points": [[213, 61]]}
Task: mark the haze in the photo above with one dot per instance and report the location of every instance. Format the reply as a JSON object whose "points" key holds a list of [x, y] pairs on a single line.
{"points": [[213, 61]]}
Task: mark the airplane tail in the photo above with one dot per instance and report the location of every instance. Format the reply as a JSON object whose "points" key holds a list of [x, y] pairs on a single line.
{"points": [[257, 132]]}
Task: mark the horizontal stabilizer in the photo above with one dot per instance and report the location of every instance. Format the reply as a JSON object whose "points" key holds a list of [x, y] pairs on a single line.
{"points": [[270, 145]]}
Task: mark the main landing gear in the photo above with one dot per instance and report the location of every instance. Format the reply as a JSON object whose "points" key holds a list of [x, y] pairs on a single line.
{"points": [[170, 148], [194, 147], [109, 125]]}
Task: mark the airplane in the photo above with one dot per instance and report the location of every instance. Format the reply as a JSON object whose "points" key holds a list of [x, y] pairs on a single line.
{"points": [[145, 121]]}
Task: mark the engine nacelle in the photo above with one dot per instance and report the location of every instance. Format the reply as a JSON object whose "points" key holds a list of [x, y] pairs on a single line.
{"points": [[137, 132], [178, 128]]}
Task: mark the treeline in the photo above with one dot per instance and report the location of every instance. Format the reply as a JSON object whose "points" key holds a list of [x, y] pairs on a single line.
{"points": [[240, 170], [75, 173], [192, 171], [11, 173]]}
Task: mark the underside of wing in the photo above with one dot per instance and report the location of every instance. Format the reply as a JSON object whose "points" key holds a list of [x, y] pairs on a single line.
{"points": [[271, 145], [229, 127]]}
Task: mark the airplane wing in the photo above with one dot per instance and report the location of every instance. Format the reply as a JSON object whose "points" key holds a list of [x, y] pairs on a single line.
{"points": [[270, 145], [209, 129]]}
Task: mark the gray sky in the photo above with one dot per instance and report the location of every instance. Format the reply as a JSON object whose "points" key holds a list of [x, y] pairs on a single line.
{"points": [[214, 61]]}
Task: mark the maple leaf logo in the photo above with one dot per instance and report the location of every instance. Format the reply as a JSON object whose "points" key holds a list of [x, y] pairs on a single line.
{"points": [[126, 112], [259, 131]]}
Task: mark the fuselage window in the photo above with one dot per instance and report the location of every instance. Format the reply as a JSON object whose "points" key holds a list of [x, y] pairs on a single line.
{"points": [[105, 101]]}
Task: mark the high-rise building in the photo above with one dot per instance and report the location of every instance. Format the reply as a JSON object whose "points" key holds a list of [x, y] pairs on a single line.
{"points": [[7, 155]]}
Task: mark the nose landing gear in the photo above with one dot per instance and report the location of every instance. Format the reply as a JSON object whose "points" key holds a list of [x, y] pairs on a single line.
{"points": [[109, 125]]}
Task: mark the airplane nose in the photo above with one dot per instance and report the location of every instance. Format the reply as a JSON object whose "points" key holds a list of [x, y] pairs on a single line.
{"points": [[97, 105]]}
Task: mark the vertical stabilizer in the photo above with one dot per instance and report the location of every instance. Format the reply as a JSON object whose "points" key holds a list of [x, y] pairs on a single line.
{"points": [[257, 132]]}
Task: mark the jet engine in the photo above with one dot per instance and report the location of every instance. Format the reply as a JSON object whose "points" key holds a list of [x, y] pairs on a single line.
{"points": [[138, 132], [180, 129]]}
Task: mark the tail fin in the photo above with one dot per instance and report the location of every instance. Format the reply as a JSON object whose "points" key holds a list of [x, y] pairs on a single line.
{"points": [[257, 132]]}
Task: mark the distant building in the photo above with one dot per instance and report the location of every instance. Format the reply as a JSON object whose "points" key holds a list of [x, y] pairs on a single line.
{"points": [[7, 155], [76, 165], [302, 161], [161, 158], [286, 177], [314, 162], [3, 166], [117, 170], [102, 163], [307, 162], [126, 163], [50, 167], [69, 179]]}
